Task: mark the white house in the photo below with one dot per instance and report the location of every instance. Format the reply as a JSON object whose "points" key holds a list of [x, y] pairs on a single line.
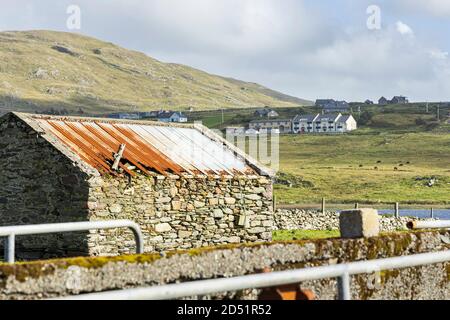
{"points": [[281, 125], [325, 123], [170, 116], [346, 124], [304, 123]]}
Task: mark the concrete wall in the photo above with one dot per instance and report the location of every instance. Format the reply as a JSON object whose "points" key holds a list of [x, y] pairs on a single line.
{"points": [[72, 276]]}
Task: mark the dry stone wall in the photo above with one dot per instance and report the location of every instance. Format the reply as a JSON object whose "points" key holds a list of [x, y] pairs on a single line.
{"points": [[181, 212], [39, 185], [56, 278], [296, 219]]}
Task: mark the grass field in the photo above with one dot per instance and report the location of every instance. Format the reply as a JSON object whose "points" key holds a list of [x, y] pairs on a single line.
{"points": [[392, 158], [369, 166]]}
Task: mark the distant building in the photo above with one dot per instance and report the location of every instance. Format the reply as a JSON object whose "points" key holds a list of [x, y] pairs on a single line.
{"points": [[331, 105], [171, 116], [383, 101], [323, 103], [124, 116], [346, 124], [251, 132], [283, 125], [395, 100], [368, 102], [326, 123], [234, 131], [304, 123], [149, 114], [399, 100], [266, 113]]}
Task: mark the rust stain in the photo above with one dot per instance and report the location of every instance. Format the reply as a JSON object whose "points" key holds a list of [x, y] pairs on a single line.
{"points": [[148, 148]]}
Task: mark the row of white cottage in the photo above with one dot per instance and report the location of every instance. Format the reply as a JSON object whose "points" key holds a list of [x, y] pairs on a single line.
{"points": [[323, 123], [301, 124]]}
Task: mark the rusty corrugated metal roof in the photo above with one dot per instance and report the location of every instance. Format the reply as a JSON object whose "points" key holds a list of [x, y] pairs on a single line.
{"points": [[149, 147]]}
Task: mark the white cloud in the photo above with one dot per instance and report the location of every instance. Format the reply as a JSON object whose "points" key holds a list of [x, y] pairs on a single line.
{"points": [[367, 65], [292, 45], [404, 29]]}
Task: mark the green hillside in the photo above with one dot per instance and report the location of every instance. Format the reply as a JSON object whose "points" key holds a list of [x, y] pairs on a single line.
{"points": [[40, 70]]}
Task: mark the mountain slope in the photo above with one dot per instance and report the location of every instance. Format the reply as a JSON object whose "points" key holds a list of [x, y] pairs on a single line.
{"points": [[45, 69]]}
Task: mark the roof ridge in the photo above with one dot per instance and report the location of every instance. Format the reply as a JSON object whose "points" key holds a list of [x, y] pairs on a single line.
{"points": [[24, 115]]}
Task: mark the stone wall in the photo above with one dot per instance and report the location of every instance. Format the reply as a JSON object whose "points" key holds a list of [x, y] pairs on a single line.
{"points": [[55, 278], [41, 184], [181, 212], [296, 219]]}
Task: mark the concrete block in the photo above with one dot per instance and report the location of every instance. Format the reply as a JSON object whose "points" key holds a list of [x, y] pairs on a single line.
{"points": [[360, 223]]}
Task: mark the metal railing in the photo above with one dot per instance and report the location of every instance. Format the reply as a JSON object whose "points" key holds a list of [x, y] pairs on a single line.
{"points": [[204, 287], [442, 224], [12, 231]]}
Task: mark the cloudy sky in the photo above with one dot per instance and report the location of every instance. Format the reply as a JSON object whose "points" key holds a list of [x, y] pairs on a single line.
{"points": [[307, 48]]}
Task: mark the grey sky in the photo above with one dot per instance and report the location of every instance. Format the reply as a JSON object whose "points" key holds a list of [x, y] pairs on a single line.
{"points": [[305, 48]]}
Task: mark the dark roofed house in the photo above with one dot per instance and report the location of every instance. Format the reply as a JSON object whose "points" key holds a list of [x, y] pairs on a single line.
{"points": [[330, 105], [149, 114], [346, 123], [180, 182], [341, 106], [266, 112], [172, 116], [395, 100], [304, 123], [124, 116], [278, 125], [324, 102], [327, 117], [399, 100], [326, 122], [383, 101]]}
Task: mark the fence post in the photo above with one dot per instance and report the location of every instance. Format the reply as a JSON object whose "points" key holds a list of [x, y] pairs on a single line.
{"points": [[356, 205], [344, 287], [10, 248], [432, 213], [323, 205], [397, 210]]}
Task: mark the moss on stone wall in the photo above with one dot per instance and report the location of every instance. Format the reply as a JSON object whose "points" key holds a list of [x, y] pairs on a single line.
{"points": [[36, 269], [387, 245]]}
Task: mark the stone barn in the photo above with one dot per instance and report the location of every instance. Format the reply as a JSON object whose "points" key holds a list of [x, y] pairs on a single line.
{"points": [[185, 186]]}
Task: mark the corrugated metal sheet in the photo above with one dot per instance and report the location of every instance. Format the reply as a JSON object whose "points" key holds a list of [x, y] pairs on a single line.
{"points": [[149, 148]]}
